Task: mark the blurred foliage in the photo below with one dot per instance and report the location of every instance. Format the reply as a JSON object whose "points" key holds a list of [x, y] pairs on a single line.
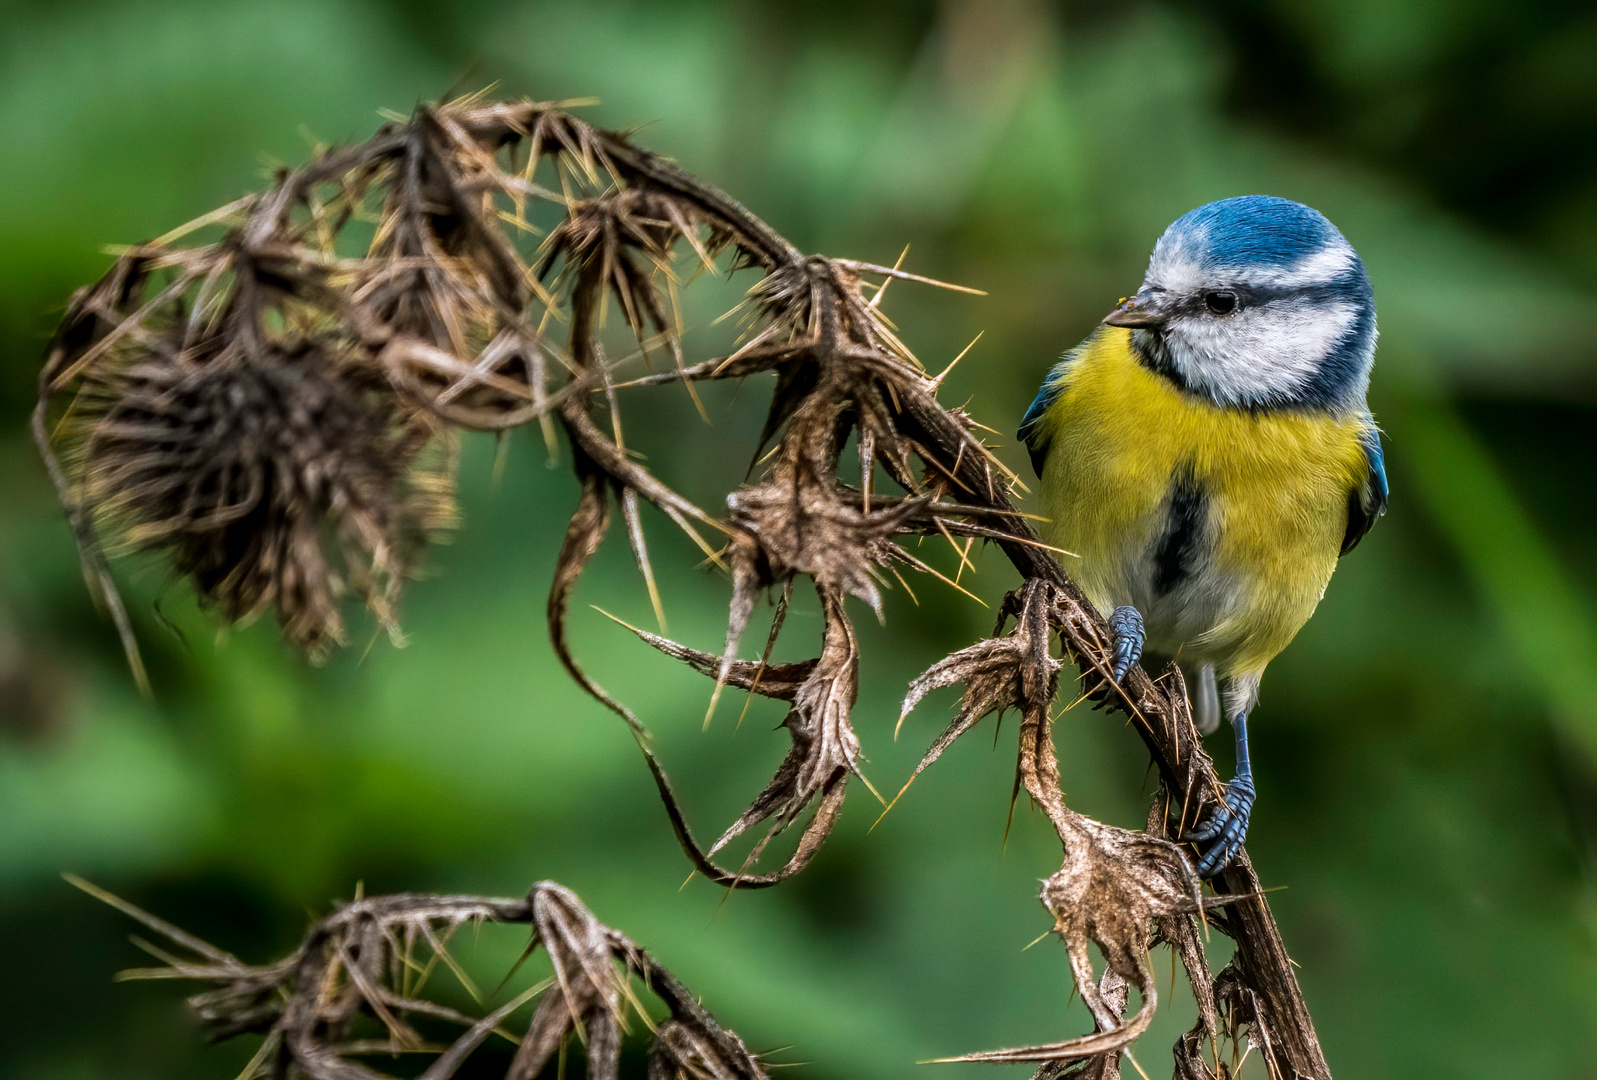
{"points": [[1427, 749]]}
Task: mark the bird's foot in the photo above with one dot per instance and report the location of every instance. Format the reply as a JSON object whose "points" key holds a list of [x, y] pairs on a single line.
{"points": [[1125, 625], [1220, 832]]}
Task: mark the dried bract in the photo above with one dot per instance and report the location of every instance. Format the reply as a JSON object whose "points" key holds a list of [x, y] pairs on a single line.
{"points": [[1014, 670]]}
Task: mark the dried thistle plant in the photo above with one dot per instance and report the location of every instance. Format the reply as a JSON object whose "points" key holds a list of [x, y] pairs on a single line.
{"points": [[440, 320], [369, 963]]}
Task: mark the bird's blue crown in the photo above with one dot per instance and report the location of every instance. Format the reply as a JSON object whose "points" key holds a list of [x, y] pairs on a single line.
{"points": [[1254, 231]]}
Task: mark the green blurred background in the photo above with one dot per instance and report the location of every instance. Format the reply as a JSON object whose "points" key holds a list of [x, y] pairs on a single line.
{"points": [[1427, 749]]}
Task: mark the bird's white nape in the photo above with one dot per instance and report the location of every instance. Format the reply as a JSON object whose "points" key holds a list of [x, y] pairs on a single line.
{"points": [[1330, 263]]}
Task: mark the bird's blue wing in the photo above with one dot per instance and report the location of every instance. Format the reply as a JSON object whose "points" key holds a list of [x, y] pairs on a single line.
{"points": [[1367, 502], [1031, 432]]}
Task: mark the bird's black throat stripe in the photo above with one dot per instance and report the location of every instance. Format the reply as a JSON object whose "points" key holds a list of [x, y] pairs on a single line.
{"points": [[1153, 353], [1181, 544]]}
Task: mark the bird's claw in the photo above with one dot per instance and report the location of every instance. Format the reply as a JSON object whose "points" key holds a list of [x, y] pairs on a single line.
{"points": [[1125, 627], [1218, 835]]}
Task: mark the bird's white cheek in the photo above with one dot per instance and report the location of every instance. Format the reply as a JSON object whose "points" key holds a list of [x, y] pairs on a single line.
{"points": [[1262, 353]]}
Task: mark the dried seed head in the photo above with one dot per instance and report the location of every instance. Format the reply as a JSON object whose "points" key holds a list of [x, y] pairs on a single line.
{"points": [[287, 480]]}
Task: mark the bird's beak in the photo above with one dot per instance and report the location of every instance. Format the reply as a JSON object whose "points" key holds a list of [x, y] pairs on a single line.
{"points": [[1150, 307]]}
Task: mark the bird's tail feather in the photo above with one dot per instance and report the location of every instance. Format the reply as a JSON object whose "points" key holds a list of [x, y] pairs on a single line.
{"points": [[1205, 700]]}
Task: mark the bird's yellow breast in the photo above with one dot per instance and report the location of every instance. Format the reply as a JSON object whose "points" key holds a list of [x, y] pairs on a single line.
{"points": [[1274, 486]]}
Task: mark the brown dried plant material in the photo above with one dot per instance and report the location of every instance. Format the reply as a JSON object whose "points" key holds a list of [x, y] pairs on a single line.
{"points": [[371, 961], [285, 480], [345, 361], [1117, 888]]}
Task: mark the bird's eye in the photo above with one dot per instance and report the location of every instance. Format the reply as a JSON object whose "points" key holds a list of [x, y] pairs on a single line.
{"points": [[1221, 303]]}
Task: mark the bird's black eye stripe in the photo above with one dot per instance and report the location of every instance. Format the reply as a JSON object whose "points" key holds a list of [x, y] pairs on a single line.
{"points": [[1220, 301]]}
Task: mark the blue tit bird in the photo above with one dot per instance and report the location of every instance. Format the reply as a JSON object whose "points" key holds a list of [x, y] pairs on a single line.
{"points": [[1208, 455]]}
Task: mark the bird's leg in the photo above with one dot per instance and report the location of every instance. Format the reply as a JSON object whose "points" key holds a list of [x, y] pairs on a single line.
{"points": [[1220, 833], [1125, 625]]}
